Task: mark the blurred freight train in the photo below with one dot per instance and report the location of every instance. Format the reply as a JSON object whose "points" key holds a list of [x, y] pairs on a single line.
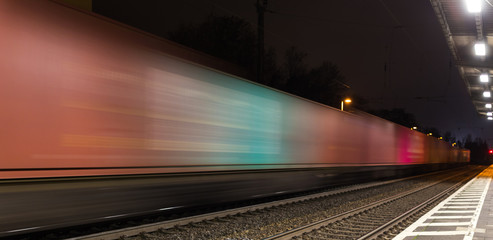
{"points": [[100, 120]]}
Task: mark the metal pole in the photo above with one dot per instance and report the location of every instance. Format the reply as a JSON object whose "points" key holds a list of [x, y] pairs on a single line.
{"points": [[261, 6]]}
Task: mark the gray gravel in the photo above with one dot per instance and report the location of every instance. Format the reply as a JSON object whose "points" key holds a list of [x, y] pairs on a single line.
{"points": [[355, 227], [267, 222]]}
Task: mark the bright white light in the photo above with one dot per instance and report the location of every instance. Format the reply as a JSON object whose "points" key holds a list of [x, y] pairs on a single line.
{"points": [[473, 6], [490, 118], [480, 49], [488, 105], [486, 94], [489, 114], [483, 77]]}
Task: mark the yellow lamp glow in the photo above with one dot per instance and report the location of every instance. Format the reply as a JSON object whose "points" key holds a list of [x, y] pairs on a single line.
{"points": [[347, 100]]}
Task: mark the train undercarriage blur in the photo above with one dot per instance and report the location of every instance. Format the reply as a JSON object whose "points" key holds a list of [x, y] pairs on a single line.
{"points": [[47, 204]]}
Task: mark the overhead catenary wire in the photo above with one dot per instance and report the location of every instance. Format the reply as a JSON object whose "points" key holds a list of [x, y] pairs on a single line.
{"points": [[487, 1], [330, 21], [296, 17], [233, 13]]}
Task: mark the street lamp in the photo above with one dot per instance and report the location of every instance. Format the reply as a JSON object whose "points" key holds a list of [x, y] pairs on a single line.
{"points": [[473, 6], [347, 101], [484, 78], [480, 49]]}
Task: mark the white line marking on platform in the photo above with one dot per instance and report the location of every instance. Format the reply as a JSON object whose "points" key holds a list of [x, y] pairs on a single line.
{"points": [[448, 217], [466, 197], [472, 229], [468, 211], [449, 224], [464, 201], [434, 233], [461, 204], [456, 207]]}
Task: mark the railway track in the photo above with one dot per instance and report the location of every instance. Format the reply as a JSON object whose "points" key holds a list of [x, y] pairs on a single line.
{"points": [[357, 220], [159, 226], [378, 219]]}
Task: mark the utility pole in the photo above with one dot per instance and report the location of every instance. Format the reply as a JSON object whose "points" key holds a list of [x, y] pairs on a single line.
{"points": [[261, 7]]}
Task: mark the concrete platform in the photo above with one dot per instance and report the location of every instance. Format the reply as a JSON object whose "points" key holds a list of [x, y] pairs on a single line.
{"points": [[467, 214]]}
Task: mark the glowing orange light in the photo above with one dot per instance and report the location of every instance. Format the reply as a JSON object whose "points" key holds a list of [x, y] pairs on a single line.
{"points": [[491, 151], [347, 100]]}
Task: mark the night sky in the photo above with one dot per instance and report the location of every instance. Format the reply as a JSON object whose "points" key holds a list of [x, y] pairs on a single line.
{"points": [[392, 53]]}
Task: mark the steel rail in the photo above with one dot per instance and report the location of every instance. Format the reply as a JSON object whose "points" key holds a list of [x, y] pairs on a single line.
{"points": [[296, 232], [133, 231], [392, 223]]}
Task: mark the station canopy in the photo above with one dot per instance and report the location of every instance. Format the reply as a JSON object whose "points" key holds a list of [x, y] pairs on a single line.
{"points": [[466, 25]]}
